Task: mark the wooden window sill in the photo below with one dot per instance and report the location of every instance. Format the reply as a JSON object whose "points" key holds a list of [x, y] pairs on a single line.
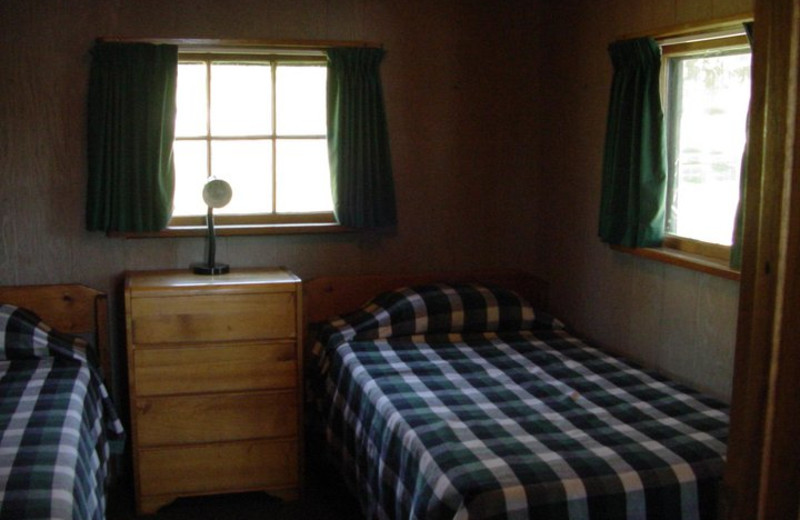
{"points": [[695, 262], [239, 230]]}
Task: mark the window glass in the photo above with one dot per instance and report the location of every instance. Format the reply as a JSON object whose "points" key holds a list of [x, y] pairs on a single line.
{"points": [[191, 100], [245, 165], [303, 176], [301, 98], [241, 99], [190, 156], [707, 102]]}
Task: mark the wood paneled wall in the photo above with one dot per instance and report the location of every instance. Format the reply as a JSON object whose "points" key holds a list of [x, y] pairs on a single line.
{"points": [[453, 107], [681, 322], [447, 116], [496, 115]]}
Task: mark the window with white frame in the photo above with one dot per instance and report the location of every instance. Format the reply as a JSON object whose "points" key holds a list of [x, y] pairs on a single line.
{"points": [[257, 121], [706, 87]]}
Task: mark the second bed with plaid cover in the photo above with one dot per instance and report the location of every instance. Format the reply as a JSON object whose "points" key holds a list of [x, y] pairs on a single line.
{"points": [[56, 423], [487, 422]]}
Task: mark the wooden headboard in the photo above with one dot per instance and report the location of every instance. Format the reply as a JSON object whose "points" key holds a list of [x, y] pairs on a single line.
{"points": [[71, 308], [329, 296]]}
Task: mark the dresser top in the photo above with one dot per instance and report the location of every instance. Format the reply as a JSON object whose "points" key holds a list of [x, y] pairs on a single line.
{"points": [[187, 280]]}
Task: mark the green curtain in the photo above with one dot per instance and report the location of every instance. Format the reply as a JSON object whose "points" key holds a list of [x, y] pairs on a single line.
{"points": [[131, 120], [633, 198], [738, 225], [358, 140]]}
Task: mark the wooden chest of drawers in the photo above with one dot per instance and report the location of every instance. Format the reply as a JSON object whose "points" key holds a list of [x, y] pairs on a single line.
{"points": [[214, 366]]}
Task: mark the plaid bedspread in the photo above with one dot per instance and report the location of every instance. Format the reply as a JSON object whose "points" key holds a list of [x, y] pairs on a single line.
{"points": [[56, 424], [530, 424]]}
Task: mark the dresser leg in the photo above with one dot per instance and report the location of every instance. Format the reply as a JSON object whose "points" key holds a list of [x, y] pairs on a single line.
{"points": [[151, 505]]}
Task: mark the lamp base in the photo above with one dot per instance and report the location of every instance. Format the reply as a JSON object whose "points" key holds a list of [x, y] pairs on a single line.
{"points": [[209, 269]]}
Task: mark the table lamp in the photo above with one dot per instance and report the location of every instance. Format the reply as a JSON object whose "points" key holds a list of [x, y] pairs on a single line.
{"points": [[217, 193]]}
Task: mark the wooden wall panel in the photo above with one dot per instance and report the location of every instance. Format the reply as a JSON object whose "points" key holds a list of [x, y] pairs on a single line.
{"points": [[496, 116], [456, 136], [440, 84], [687, 11], [680, 322]]}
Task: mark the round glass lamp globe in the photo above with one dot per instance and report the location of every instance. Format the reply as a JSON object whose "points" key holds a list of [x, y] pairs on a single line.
{"points": [[217, 193]]}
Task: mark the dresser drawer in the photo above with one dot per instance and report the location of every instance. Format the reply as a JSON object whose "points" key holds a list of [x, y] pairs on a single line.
{"points": [[218, 467], [215, 417], [215, 368], [218, 317]]}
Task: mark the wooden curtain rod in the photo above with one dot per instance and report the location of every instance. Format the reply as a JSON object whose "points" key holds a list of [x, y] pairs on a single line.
{"points": [[245, 43], [690, 28]]}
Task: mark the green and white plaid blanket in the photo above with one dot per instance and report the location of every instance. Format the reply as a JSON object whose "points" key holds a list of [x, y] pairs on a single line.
{"points": [[510, 424], [56, 423]]}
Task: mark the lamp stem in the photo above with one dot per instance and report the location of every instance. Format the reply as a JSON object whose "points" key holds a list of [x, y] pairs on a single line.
{"points": [[212, 239], [210, 267]]}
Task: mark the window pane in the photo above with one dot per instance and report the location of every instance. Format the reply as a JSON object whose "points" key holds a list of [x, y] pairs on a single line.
{"points": [[300, 93], [246, 166], [240, 99], [191, 171], [714, 97], [190, 120], [303, 176]]}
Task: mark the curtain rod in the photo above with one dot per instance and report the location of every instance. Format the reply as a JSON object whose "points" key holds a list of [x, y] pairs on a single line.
{"points": [[244, 43], [690, 28]]}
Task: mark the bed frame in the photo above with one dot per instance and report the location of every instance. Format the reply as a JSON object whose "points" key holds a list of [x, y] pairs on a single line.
{"points": [[70, 308]]}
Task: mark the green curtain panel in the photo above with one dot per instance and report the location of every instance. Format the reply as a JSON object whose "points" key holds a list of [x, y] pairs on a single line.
{"points": [[632, 208], [358, 140], [131, 126], [738, 225]]}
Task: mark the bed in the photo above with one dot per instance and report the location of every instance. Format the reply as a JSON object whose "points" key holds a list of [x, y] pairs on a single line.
{"points": [[57, 422], [456, 396]]}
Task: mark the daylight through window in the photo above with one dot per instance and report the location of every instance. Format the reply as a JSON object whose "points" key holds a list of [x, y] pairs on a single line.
{"points": [[707, 93], [259, 123]]}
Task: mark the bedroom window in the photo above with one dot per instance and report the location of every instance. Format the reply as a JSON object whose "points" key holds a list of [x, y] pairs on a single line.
{"points": [[257, 121], [706, 94]]}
